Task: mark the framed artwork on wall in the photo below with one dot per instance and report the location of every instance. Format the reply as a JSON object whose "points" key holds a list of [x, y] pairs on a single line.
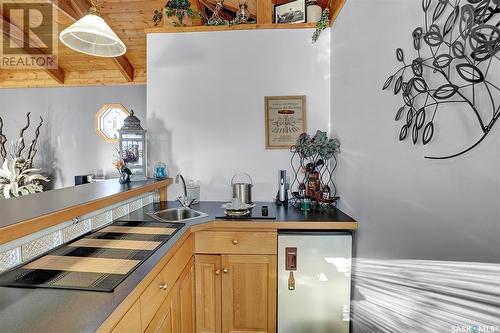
{"points": [[285, 118]]}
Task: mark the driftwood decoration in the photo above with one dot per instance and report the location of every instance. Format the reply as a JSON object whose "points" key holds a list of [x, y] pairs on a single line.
{"points": [[3, 141], [20, 145], [461, 40]]}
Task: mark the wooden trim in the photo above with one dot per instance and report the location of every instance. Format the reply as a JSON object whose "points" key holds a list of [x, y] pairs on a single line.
{"points": [[208, 28], [274, 226], [335, 8], [264, 12], [30, 226], [103, 108]]}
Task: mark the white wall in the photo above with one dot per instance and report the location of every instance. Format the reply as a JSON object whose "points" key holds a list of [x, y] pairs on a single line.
{"points": [[407, 206], [68, 143], [206, 101]]}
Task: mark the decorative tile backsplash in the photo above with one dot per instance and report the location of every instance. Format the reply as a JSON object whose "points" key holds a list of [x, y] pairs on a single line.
{"points": [[120, 211], [135, 205], [29, 247], [41, 245], [10, 258], [76, 230], [102, 219]]}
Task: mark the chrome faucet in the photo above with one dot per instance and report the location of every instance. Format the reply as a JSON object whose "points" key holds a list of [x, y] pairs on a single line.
{"points": [[183, 200]]}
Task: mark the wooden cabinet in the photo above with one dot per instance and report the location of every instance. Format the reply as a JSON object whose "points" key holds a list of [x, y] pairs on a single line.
{"points": [[208, 293], [176, 313], [249, 293], [235, 293], [131, 322], [186, 299], [235, 242]]}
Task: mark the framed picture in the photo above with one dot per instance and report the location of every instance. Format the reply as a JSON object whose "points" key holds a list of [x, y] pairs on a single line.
{"points": [[291, 12], [285, 120]]}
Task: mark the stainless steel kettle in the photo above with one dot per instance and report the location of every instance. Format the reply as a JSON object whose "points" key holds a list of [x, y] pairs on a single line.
{"points": [[242, 190]]}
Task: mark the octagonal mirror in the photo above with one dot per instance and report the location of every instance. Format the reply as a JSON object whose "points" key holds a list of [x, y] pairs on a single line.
{"points": [[109, 119]]}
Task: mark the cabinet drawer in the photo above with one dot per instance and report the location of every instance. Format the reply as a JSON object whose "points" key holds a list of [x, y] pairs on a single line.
{"points": [[157, 291], [237, 242]]}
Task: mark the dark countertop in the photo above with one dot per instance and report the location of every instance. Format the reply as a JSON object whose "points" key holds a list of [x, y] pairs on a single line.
{"points": [[19, 209], [59, 311]]}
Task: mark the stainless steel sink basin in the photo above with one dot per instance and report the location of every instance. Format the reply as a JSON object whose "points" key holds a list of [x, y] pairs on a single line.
{"points": [[177, 215]]}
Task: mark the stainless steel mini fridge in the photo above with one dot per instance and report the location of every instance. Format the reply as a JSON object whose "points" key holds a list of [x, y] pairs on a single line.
{"points": [[314, 282]]}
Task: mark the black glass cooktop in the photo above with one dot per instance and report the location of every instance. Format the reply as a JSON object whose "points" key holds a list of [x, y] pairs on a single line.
{"points": [[98, 261]]}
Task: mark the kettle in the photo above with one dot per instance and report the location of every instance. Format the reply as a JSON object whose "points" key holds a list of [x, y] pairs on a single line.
{"points": [[242, 190]]}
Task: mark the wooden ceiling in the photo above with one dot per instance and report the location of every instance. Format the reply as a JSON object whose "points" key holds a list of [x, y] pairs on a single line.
{"points": [[129, 19]]}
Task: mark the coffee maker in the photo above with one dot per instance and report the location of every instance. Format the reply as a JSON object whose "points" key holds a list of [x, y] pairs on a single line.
{"points": [[282, 195]]}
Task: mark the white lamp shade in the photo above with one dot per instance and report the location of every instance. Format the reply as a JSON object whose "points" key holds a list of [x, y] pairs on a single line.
{"points": [[92, 35]]}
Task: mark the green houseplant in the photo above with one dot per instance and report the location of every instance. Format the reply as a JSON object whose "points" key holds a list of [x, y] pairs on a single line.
{"points": [[176, 13]]}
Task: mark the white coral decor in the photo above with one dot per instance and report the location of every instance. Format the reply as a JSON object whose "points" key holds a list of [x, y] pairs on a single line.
{"points": [[16, 179]]}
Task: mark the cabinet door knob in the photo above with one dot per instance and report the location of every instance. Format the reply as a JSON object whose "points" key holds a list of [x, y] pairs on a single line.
{"points": [[163, 286], [217, 272], [235, 241], [225, 270]]}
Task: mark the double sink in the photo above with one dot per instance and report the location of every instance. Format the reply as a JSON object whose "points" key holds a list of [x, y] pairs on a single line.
{"points": [[177, 215]]}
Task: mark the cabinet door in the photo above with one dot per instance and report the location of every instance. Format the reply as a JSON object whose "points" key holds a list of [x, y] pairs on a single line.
{"points": [[166, 320], [249, 293], [131, 322], [208, 293], [186, 299]]}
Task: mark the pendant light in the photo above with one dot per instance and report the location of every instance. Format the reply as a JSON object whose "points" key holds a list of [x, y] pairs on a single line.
{"points": [[92, 35]]}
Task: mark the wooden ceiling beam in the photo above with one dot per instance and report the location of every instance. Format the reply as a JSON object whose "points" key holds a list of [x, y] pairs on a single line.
{"points": [[76, 9], [56, 73]]}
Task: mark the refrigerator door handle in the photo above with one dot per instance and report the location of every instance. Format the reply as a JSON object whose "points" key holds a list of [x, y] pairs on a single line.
{"points": [[291, 281], [291, 258]]}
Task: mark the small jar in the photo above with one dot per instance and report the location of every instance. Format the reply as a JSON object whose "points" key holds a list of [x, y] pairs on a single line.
{"points": [[160, 171], [305, 205], [313, 11], [302, 190]]}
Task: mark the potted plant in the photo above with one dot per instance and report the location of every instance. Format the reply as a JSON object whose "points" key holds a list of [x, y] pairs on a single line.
{"points": [[178, 13]]}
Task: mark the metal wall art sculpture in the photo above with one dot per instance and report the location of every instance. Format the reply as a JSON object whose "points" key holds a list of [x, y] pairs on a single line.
{"points": [[456, 50]]}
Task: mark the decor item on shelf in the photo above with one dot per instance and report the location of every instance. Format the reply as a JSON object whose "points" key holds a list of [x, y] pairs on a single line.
{"points": [[92, 35], [242, 15], [132, 146], [285, 118], [313, 164], [321, 25], [313, 11], [291, 12], [462, 52], [17, 175], [177, 13], [160, 171]]}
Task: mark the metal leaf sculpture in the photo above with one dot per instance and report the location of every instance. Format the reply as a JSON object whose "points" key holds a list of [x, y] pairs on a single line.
{"points": [[462, 43]]}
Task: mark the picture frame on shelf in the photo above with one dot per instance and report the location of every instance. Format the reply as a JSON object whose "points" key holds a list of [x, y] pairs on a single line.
{"points": [[291, 12], [285, 120]]}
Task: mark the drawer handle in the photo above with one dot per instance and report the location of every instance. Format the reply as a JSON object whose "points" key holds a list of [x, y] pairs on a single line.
{"points": [[225, 270], [235, 241], [163, 286], [217, 272]]}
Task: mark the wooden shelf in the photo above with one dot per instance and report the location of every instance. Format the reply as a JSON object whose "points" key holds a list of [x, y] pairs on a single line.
{"points": [[206, 28]]}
